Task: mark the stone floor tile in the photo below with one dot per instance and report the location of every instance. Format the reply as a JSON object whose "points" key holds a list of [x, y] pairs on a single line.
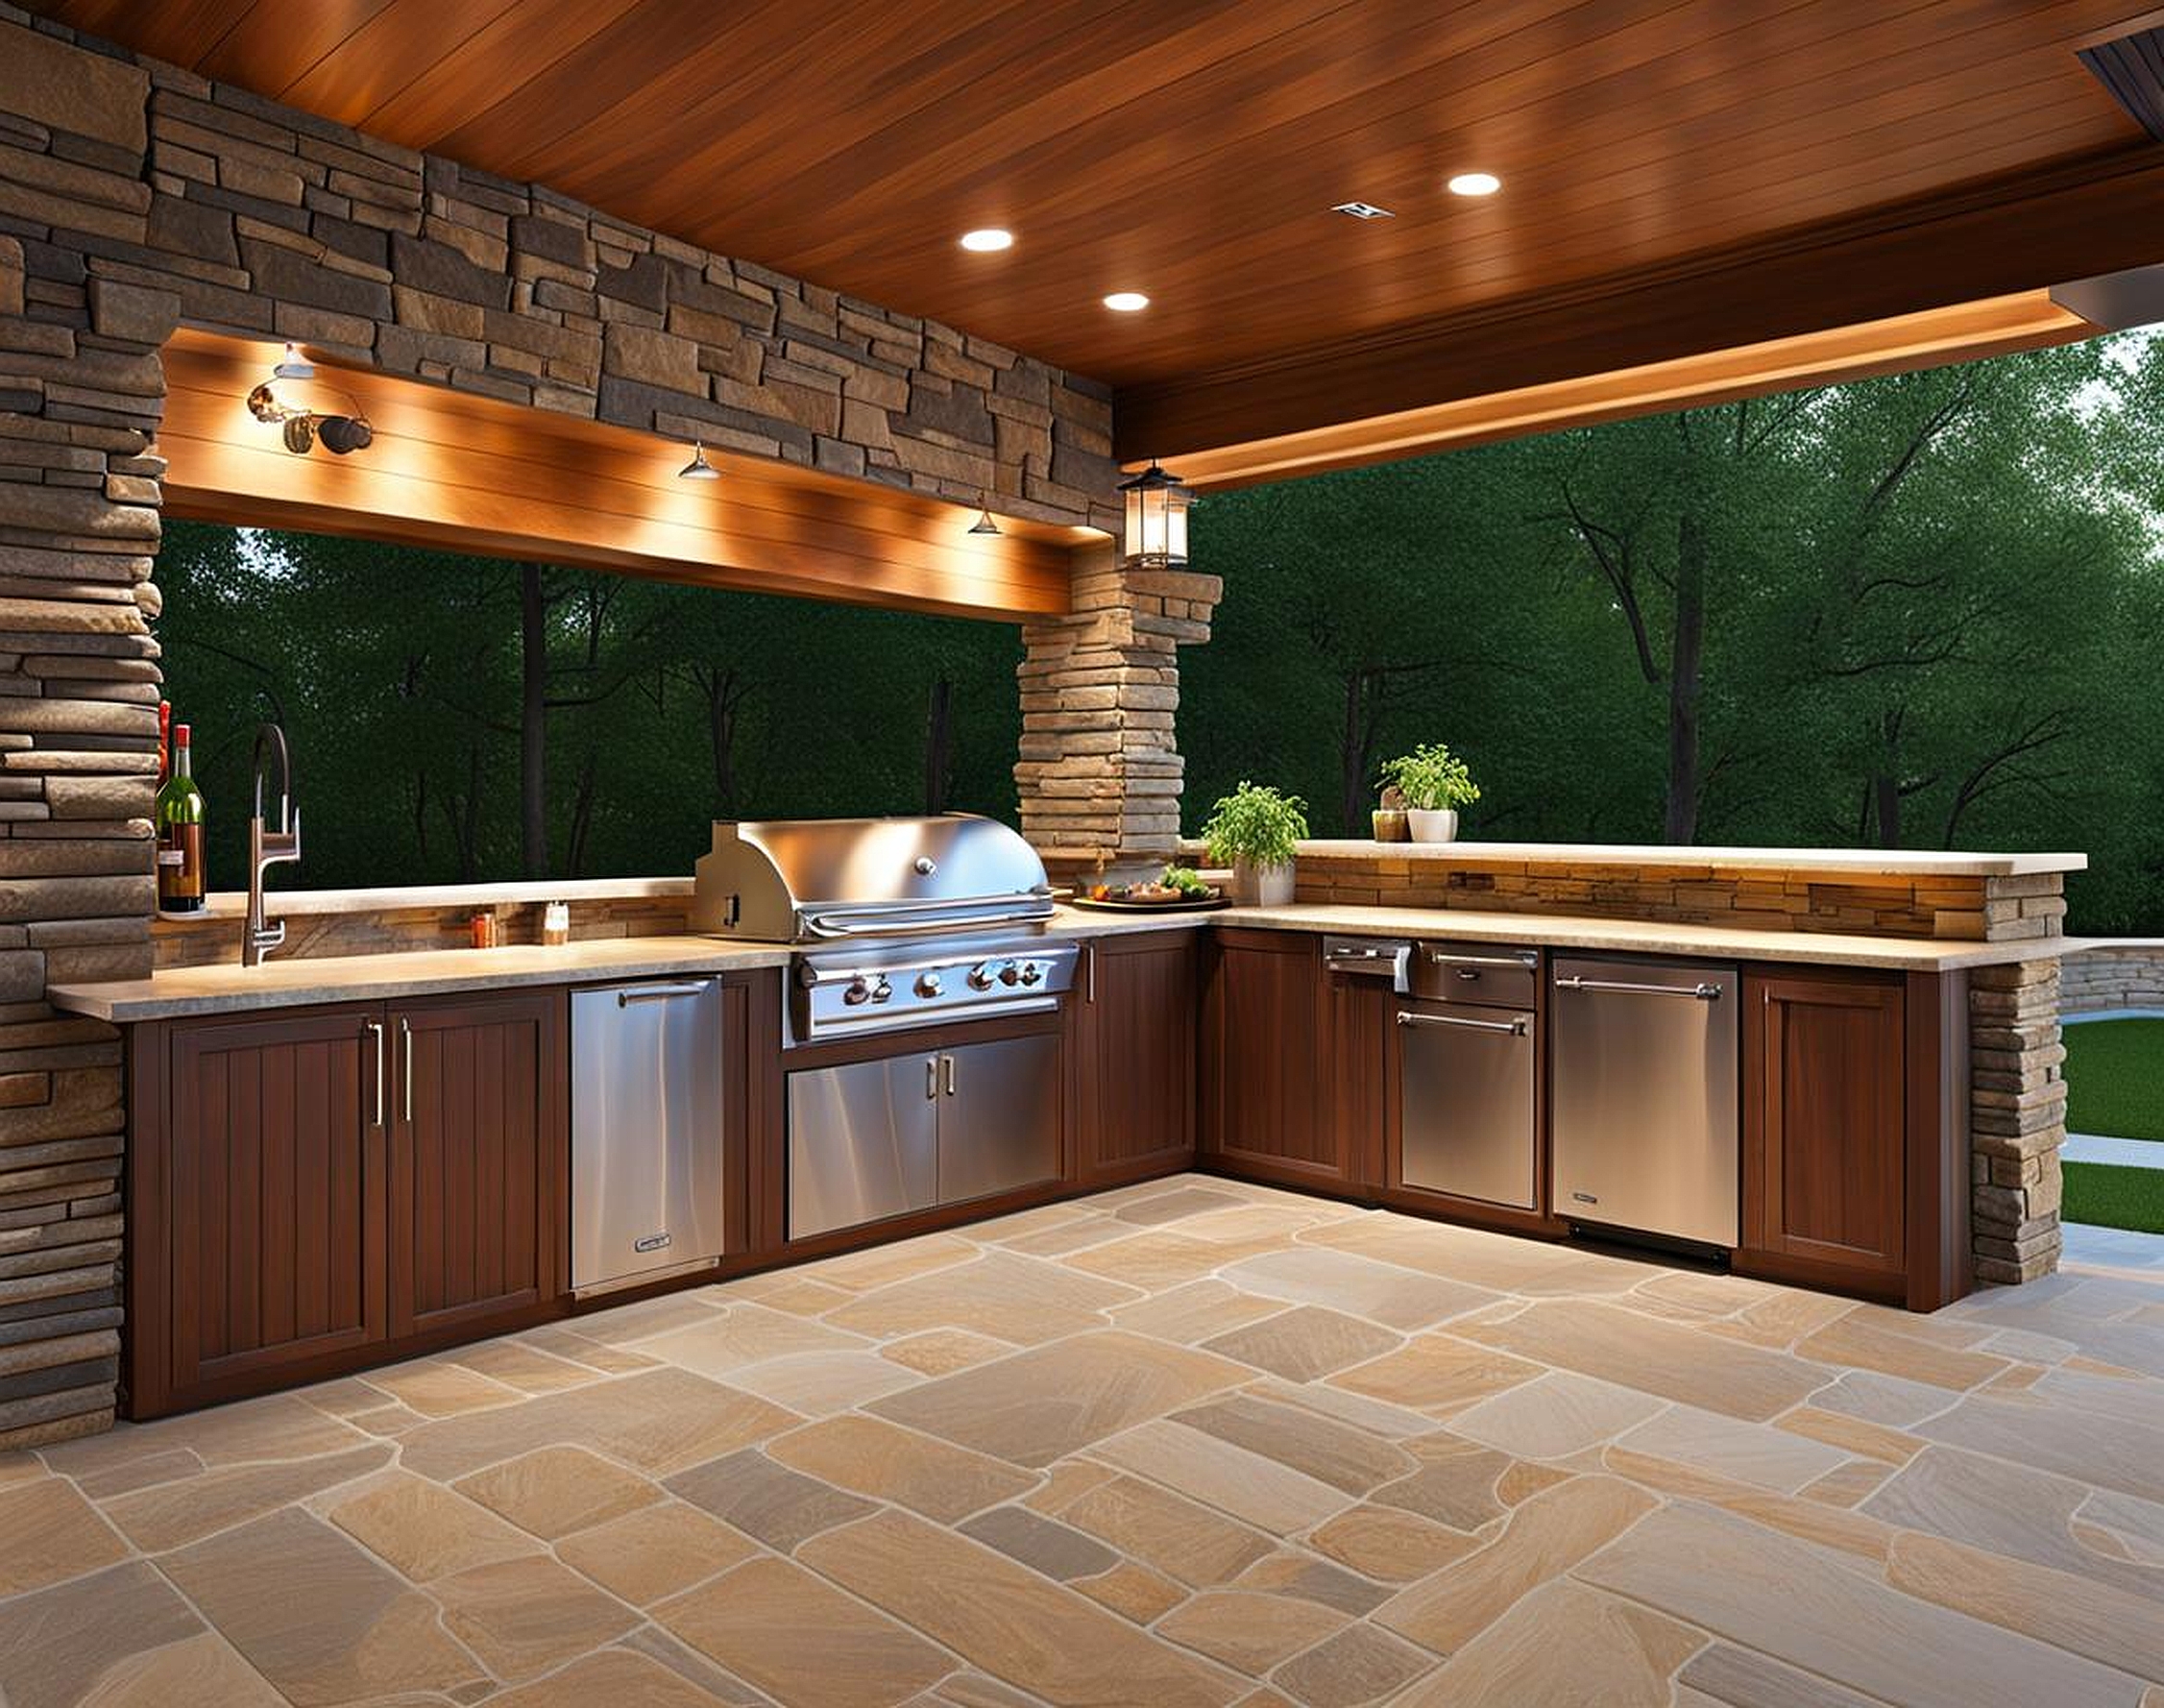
{"points": [[1499, 1262], [1775, 1594], [57, 1644], [425, 1530], [1153, 1262], [728, 1340], [1192, 1314], [1065, 1483], [2109, 1452], [874, 1457], [1778, 1322], [575, 1348], [1041, 1544], [1861, 1536], [653, 1553], [1358, 1665], [1437, 1374], [202, 1669], [942, 1352], [276, 1426], [1168, 1531], [1304, 1343], [786, 1289], [1885, 1400], [657, 1421], [1133, 1590], [882, 1265], [1389, 1545], [1456, 1483], [171, 1514], [1250, 1633], [1773, 1458], [1865, 1340], [1847, 1484], [528, 1616], [142, 1470], [695, 1669], [1852, 1434], [1073, 1235], [627, 1324], [1742, 1679], [765, 1501], [610, 1678], [320, 1619], [2107, 1624], [819, 1384], [1296, 1571], [1564, 1646], [1177, 1204], [1006, 1621], [1049, 1402], [1543, 1539], [1384, 1293], [525, 1368], [1007, 1297], [436, 1388], [801, 1641], [1260, 1492], [556, 1490], [1555, 1416], [48, 1532], [1326, 1449]]}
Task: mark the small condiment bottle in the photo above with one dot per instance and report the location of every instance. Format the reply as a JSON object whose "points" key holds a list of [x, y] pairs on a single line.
{"points": [[555, 924], [483, 928]]}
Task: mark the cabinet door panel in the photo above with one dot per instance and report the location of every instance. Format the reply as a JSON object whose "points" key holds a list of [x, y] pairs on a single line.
{"points": [[1266, 1035], [1133, 1032], [278, 1193], [477, 1151], [1824, 1105]]}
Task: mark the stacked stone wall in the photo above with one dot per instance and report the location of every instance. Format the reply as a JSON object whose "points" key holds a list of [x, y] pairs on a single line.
{"points": [[2125, 974], [2017, 1119]]}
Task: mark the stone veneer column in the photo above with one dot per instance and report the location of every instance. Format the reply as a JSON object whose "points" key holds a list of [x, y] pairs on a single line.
{"points": [[80, 390], [2017, 1119], [1100, 773]]}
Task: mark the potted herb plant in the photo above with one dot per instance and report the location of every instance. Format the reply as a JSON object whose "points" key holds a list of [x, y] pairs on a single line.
{"points": [[1255, 831], [1434, 784]]}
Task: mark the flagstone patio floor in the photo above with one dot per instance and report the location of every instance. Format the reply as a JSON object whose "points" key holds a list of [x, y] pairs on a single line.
{"points": [[1189, 1443]]}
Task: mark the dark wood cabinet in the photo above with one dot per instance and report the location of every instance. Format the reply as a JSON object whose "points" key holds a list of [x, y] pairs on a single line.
{"points": [[477, 1157], [273, 1215], [1266, 1015], [1824, 1124], [1131, 1051], [1358, 1015]]}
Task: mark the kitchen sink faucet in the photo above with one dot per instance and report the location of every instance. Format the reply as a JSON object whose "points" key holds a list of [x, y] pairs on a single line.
{"points": [[267, 848]]}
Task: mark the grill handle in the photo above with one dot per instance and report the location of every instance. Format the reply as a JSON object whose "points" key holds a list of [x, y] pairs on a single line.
{"points": [[1701, 992], [1515, 1028], [893, 918]]}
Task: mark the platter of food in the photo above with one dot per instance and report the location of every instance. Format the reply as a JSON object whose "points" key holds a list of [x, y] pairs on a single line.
{"points": [[1180, 890]]}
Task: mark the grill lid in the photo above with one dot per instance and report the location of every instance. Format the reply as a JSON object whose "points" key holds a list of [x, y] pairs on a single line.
{"points": [[784, 880]]}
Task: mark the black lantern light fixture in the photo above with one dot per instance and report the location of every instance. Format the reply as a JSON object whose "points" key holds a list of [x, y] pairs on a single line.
{"points": [[1156, 518]]}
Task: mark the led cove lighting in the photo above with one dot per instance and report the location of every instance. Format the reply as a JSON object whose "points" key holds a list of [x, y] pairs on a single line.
{"points": [[987, 241], [1474, 184], [1126, 302]]}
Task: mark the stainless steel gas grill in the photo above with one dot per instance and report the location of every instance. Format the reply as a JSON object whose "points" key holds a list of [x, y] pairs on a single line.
{"points": [[902, 924], [901, 921]]}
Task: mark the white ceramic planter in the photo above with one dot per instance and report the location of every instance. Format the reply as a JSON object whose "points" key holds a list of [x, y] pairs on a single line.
{"points": [[1262, 886], [1440, 826]]}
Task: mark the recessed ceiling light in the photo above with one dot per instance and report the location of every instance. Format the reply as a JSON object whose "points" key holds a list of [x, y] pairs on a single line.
{"points": [[1474, 184], [1363, 211], [988, 240], [1126, 302]]}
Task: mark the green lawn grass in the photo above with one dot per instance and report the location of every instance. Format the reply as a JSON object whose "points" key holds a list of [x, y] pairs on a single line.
{"points": [[2115, 1079], [2106, 1195]]}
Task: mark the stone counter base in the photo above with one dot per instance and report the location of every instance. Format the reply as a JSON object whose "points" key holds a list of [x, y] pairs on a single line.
{"points": [[2017, 1118]]}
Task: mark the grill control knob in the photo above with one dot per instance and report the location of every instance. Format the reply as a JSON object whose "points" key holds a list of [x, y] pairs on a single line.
{"points": [[1009, 973], [858, 993], [882, 991], [981, 976], [1030, 972], [928, 984]]}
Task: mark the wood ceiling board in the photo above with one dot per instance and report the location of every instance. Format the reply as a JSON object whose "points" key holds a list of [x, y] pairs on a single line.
{"points": [[1192, 151], [465, 472]]}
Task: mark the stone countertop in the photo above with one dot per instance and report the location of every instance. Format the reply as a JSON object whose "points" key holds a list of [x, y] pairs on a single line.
{"points": [[1887, 863], [1649, 937]]}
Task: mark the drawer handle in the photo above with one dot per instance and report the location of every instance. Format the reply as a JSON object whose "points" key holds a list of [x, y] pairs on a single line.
{"points": [[1624, 986], [657, 993], [1515, 1028], [1524, 963]]}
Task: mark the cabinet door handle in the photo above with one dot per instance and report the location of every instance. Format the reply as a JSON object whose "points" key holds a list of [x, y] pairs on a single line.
{"points": [[947, 1068], [405, 1054], [930, 1077], [1515, 1028], [1091, 993], [376, 1027]]}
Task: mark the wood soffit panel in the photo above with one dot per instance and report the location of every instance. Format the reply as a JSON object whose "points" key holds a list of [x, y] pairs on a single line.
{"points": [[1756, 168], [462, 472]]}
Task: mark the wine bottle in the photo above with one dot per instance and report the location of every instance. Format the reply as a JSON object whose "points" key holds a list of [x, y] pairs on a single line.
{"points": [[180, 883]]}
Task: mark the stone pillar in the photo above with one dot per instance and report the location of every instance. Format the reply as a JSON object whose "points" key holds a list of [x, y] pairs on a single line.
{"points": [[1100, 773], [2017, 1119], [80, 391]]}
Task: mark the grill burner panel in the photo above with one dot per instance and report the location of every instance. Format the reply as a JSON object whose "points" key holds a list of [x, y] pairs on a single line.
{"points": [[886, 988]]}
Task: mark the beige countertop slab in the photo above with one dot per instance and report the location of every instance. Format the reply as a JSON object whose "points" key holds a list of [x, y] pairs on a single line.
{"points": [[1891, 863], [1650, 937]]}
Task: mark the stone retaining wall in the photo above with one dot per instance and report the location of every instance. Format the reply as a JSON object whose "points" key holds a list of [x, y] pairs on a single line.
{"points": [[2125, 974]]}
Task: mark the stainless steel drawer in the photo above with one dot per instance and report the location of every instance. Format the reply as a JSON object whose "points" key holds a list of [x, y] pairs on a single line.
{"points": [[1487, 973], [1464, 1111]]}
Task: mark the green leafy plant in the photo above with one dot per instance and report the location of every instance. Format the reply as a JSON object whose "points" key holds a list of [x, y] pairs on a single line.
{"points": [[1432, 779], [1257, 824], [1188, 882]]}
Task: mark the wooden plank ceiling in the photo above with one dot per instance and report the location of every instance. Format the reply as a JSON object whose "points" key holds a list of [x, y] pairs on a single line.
{"points": [[470, 474], [1678, 175]]}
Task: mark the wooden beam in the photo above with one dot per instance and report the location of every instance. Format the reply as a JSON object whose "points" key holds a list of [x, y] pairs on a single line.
{"points": [[465, 473]]}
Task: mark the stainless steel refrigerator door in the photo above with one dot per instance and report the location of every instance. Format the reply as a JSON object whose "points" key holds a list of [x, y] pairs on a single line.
{"points": [[862, 1142], [1465, 1109], [1644, 1104], [999, 1117], [646, 1154]]}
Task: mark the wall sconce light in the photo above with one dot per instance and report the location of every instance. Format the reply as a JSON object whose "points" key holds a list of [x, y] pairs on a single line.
{"points": [[698, 467], [984, 525], [293, 365], [302, 428], [1156, 518]]}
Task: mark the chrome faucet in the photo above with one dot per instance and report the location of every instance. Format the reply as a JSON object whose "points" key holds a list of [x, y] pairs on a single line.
{"points": [[267, 848]]}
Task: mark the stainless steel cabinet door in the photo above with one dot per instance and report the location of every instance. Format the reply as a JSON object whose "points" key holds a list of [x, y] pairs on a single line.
{"points": [[999, 1117], [1644, 1057], [862, 1142], [1465, 1109]]}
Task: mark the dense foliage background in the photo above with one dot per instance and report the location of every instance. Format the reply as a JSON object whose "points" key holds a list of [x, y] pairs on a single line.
{"points": [[1921, 611]]}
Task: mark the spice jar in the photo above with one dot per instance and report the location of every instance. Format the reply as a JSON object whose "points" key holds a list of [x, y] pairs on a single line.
{"points": [[555, 924], [485, 930]]}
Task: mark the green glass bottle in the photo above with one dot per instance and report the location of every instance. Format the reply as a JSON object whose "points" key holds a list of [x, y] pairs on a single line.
{"points": [[181, 885]]}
